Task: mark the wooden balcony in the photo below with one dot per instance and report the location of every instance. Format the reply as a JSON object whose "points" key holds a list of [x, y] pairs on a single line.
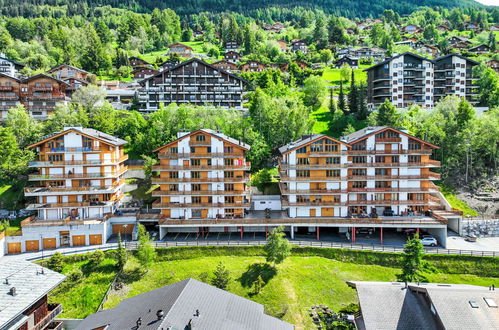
{"points": [[159, 205], [391, 152], [40, 177], [314, 203], [197, 192], [388, 139], [6, 88], [200, 143], [170, 155], [35, 191], [287, 178], [42, 163], [238, 178], [431, 176], [53, 311], [245, 167]]}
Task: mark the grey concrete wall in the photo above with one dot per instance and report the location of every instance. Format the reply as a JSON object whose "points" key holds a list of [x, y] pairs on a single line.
{"points": [[135, 173], [440, 234]]}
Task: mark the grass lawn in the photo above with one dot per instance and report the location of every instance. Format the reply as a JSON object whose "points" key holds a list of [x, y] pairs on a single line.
{"points": [[299, 282], [322, 118], [456, 203], [83, 297], [144, 191], [333, 76], [11, 194]]}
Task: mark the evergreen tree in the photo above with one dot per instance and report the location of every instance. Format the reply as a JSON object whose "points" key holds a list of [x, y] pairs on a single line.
{"points": [[258, 284], [332, 102], [277, 248], [341, 100], [492, 42], [56, 262], [221, 277], [121, 254], [387, 114], [145, 251], [413, 265], [353, 96], [362, 102]]}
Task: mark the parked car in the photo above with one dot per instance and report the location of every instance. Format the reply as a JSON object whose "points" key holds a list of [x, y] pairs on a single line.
{"points": [[429, 241], [410, 232], [364, 231]]}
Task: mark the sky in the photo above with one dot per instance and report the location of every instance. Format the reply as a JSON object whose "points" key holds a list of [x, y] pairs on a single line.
{"points": [[489, 2]]}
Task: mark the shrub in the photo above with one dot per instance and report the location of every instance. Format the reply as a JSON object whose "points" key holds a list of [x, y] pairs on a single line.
{"points": [[221, 277], [96, 257], [56, 262]]}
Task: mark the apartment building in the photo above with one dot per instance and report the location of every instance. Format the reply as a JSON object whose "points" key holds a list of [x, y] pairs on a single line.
{"points": [[313, 182], [9, 67], [39, 94], [374, 171], [193, 81], [80, 174], [24, 297], [202, 175], [409, 79]]}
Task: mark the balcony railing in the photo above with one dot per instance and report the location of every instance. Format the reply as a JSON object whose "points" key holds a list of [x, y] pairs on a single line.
{"points": [[388, 139], [200, 143], [158, 205], [238, 178], [197, 192], [285, 178], [38, 190], [314, 203], [36, 177], [78, 162], [54, 310], [72, 149], [244, 167], [170, 155], [395, 152], [428, 163]]}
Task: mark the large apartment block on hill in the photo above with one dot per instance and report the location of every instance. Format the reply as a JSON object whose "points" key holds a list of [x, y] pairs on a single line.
{"points": [[409, 79], [9, 67], [202, 176], [39, 94], [377, 170], [80, 174], [192, 81]]}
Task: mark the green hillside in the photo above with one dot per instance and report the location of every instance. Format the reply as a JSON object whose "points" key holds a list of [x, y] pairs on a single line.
{"points": [[347, 8]]}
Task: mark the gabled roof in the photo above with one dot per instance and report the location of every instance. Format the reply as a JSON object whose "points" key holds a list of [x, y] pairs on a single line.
{"points": [[8, 76], [394, 57], [89, 132], [212, 133], [306, 140], [455, 54], [68, 66], [189, 304], [11, 61], [481, 45], [180, 44], [30, 284], [370, 130], [43, 75], [189, 61]]}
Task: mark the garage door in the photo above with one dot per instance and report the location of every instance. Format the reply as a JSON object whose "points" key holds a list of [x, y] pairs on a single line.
{"points": [[32, 245], [123, 229], [49, 243], [95, 239], [78, 240], [13, 248]]}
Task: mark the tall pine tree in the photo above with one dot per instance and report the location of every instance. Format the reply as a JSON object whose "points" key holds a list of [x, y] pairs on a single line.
{"points": [[332, 102], [342, 104], [353, 96]]}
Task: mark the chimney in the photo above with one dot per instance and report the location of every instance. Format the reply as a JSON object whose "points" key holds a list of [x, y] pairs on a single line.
{"points": [[12, 291], [160, 314], [6, 281]]}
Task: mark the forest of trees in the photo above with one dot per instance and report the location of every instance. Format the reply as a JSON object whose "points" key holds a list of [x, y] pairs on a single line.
{"points": [[347, 8]]}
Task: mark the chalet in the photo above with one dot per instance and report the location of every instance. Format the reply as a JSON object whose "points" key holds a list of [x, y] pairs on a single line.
{"points": [[457, 39], [231, 45], [24, 297], [9, 67], [375, 54], [480, 49], [299, 45], [443, 28], [411, 28], [168, 64], [411, 42], [252, 66], [198, 34], [191, 82], [226, 66], [181, 49], [136, 62], [283, 45], [301, 64], [141, 73], [494, 64], [73, 76], [462, 45], [39, 94], [276, 27], [429, 50], [352, 62], [472, 27], [284, 67], [232, 56]]}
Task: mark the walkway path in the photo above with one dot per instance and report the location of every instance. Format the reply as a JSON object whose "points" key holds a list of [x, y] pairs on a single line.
{"points": [[311, 243]]}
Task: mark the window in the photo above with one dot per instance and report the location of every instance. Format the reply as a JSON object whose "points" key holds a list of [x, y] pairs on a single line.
{"points": [[381, 171], [55, 158], [173, 175], [379, 159], [333, 173], [331, 146], [228, 162], [362, 197], [229, 199], [359, 146], [303, 161], [195, 175], [382, 184], [195, 162], [173, 187], [359, 172], [316, 146], [302, 150], [193, 149], [196, 199], [332, 160], [196, 187], [359, 184], [229, 187], [414, 159], [359, 159], [200, 138], [229, 150], [228, 174], [395, 159], [303, 173]]}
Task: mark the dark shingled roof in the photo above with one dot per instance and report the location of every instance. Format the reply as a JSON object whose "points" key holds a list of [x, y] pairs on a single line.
{"points": [[298, 143], [362, 133], [189, 302]]}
